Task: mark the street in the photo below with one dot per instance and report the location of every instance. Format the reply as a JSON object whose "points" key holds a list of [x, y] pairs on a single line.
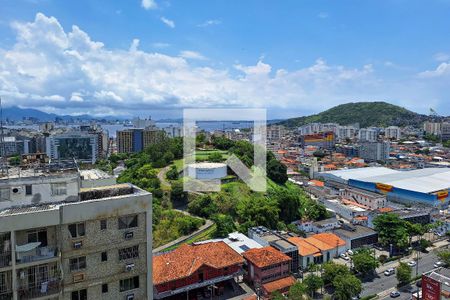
{"points": [[384, 285]]}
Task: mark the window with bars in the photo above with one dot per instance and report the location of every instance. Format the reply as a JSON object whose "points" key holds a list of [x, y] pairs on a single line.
{"points": [[128, 221], [77, 263], [129, 284], [77, 230], [129, 253], [79, 295], [59, 188]]}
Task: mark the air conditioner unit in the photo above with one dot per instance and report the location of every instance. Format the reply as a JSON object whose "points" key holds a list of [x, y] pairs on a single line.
{"points": [[77, 245], [129, 267], [79, 277], [129, 297], [129, 235], [16, 189]]}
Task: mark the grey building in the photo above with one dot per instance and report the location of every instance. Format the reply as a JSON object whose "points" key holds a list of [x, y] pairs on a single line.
{"points": [[374, 151], [60, 241]]}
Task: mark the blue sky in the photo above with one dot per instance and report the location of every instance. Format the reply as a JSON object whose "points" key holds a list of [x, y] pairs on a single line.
{"points": [[292, 57]]}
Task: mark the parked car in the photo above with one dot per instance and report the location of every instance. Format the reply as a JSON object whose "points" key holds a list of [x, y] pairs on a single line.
{"points": [[389, 272], [411, 263], [395, 294], [438, 264], [349, 252]]}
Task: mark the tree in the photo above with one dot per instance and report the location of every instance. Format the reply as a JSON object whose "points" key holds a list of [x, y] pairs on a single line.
{"points": [[277, 171], [215, 157], [15, 160], [203, 206], [224, 225], [297, 291], [364, 262], [346, 287], [255, 211], [391, 230], [172, 174], [277, 296], [313, 283], [403, 273], [444, 256], [288, 202], [332, 270], [178, 193]]}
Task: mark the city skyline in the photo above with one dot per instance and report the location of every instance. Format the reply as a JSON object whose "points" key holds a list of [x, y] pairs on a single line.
{"points": [[116, 58]]}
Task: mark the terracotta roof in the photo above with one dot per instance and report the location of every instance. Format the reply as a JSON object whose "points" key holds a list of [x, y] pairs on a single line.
{"points": [[385, 209], [316, 182], [186, 259], [266, 256], [279, 284], [330, 239], [304, 248]]}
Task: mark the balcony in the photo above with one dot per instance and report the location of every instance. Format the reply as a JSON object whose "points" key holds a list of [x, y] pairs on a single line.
{"points": [[5, 259], [30, 253], [43, 289]]}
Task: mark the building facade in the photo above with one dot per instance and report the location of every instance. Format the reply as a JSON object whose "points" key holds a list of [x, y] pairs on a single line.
{"points": [[374, 151], [79, 145], [136, 139], [60, 241]]}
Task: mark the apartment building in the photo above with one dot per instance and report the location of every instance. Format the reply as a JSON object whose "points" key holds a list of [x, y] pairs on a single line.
{"points": [[368, 134], [137, 139], [376, 151], [445, 131], [79, 145], [61, 241], [433, 128], [392, 132]]}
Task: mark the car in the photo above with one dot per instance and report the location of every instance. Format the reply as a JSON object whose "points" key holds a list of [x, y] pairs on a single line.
{"points": [[349, 252], [344, 256], [411, 263], [438, 264], [394, 294], [389, 272]]}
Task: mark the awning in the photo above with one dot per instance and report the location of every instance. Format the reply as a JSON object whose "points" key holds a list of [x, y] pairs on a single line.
{"points": [[27, 247]]}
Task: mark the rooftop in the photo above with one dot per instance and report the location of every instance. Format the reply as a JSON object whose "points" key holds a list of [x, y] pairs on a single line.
{"points": [[47, 170], [304, 248], [185, 260], [279, 284], [356, 231], [426, 180], [237, 241], [93, 174], [266, 256]]}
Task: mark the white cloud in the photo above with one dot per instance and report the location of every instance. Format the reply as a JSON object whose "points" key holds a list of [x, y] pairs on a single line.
{"points": [[67, 72], [210, 23], [441, 56], [441, 70], [168, 22], [323, 15], [192, 55], [160, 45], [149, 4]]}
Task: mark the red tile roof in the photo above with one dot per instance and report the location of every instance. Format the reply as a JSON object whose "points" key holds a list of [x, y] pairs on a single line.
{"points": [[304, 248], [266, 256], [185, 260], [279, 284]]}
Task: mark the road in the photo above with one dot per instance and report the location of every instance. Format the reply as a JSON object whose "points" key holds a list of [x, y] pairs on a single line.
{"points": [[383, 285]]}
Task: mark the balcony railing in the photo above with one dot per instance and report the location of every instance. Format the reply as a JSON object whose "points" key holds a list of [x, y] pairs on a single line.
{"points": [[6, 295], [47, 288], [37, 254], [5, 260]]}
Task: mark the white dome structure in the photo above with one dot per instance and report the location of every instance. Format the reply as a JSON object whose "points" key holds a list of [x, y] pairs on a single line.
{"points": [[207, 170]]}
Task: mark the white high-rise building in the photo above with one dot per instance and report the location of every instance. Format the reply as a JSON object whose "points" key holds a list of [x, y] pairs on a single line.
{"points": [[374, 151], [345, 132], [368, 134], [392, 132], [433, 128]]}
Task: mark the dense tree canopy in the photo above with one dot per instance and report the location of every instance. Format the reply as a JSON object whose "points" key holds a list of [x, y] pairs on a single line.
{"points": [[403, 273], [364, 261]]}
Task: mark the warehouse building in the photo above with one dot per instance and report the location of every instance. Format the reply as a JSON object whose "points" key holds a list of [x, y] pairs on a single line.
{"points": [[428, 186]]}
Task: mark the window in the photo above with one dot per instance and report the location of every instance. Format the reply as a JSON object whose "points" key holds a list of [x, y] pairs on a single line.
{"points": [[128, 253], [59, 189], [128, 222], [28, 189], [103, 224], [77, 263], [79, 295], [77, 230], [5, 195], [39, 235], [104, 288], [104, 256], [129, 284]]}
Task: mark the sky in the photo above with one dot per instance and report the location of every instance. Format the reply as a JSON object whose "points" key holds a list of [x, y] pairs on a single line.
{"points": [[156, 57]]}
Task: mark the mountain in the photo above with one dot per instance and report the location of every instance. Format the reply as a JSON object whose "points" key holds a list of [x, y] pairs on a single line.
{"points": [[16, 113], [380, 114]]}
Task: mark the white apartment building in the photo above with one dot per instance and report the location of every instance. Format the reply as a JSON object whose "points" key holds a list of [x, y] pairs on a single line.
{"points": [[345, 132], [275, 132], [445, 131], [368, 134], [392, 132], [79, 145], [433, 128], [374, 151], [312, 128], [61, 241]]}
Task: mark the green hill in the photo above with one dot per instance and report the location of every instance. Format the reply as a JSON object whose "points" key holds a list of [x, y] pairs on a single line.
{"points": [[365, 113]]}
